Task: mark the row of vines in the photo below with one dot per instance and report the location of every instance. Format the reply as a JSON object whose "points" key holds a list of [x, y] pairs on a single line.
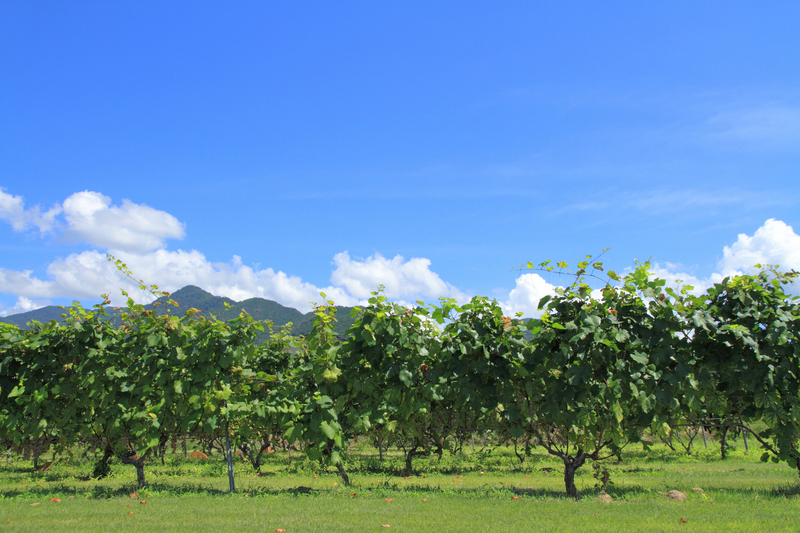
{"points": [[626, 363]]}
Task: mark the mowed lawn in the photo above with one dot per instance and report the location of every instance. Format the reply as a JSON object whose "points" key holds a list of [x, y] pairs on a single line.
{"points": [[467, 492]]}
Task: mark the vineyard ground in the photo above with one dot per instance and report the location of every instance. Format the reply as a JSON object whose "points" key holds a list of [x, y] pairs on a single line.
{"points": [[465, 492]]}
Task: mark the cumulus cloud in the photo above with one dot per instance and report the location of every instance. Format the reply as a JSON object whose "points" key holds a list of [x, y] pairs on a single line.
{"points": [[130, 227], [774, 243], [524, 298], [12, 210], [137, 235], [89, 274], [412, 279], [90, 218], [24, 305], [676, 278]]}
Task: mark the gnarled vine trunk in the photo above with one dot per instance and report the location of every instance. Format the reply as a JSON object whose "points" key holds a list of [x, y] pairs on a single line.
{"points": [[571, 465], [101, 467], [138, 463]]}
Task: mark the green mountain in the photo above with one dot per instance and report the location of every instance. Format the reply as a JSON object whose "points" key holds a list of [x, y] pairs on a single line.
{"points": [[195, 297], [43, 315]]}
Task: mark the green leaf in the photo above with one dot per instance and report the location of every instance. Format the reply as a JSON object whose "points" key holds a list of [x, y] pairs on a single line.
{"points": [[327, 430], [331, 374], [616, 409], [406, 377]]}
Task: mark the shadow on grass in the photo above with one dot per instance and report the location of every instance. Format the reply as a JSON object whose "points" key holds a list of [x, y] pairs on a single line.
{"points": [[385, 488]]}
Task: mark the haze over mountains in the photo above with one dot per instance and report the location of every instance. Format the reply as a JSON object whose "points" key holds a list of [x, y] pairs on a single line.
{"points": [[191, 296]]}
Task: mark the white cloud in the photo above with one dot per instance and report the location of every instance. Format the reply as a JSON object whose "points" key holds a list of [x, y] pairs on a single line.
{"points": [[89, 274], [130, 227], [12, 210], [90, 218], [24, 305], [774, 243], [136, 234], [526, 295], [412, 279]]}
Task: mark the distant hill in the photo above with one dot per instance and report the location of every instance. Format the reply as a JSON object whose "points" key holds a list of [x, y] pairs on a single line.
{"points": [[191, 296], [43, 315]]}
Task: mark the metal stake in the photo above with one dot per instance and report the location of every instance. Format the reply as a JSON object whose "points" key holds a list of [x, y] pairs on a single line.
{"points": [[228, 451]]}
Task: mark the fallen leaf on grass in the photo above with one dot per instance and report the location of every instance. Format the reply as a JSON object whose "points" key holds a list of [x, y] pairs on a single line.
{"points": [[408, 477], [129, 505], [426, 475], [55, 500], [352, 494], [385, 525], [426, 499], [143, 501], [130, 512], [684, 521], [335, 484], [389, 499], [34, 504], [280, 531], [527, 476], [316, 475], [134, 495], [515, 497], [596, 514]]}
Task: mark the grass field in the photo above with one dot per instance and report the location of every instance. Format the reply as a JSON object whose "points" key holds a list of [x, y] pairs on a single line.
{"points": [[466, 492]]}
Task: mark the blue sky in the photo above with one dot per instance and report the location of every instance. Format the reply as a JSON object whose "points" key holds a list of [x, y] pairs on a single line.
{"points": [[280, 149]]}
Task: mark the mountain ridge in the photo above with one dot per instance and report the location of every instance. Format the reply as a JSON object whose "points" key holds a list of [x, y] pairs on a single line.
{"points": [[192, 296]]}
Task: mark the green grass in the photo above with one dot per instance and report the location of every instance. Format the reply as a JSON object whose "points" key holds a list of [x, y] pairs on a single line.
{"points": [[465, 492]]}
